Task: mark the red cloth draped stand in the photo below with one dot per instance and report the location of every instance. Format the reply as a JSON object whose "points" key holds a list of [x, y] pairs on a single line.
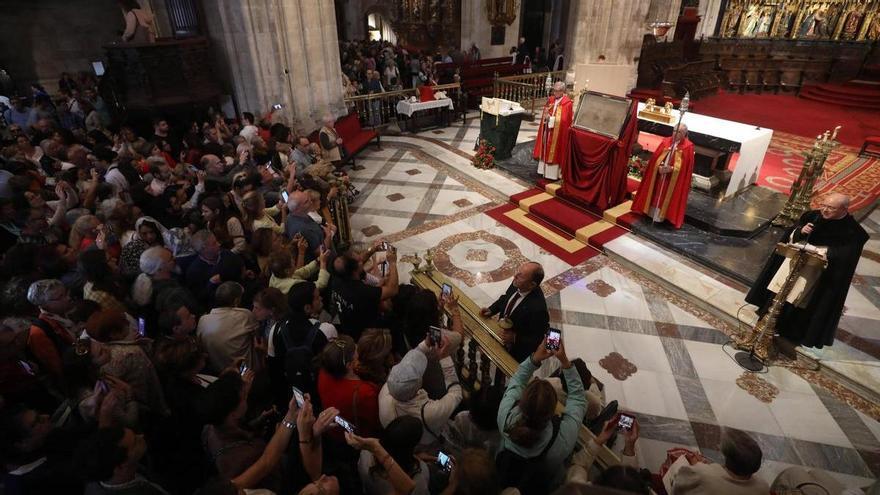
{"points": [[598, 165]]}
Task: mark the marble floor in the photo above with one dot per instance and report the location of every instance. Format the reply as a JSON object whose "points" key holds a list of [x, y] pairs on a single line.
{"points": [[660, 349]]}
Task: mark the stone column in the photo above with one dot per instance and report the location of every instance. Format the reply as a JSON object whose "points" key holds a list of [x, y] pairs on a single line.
{"points": [[609, 28], [280, 51], [665, 10], [709, 11], [475, 28]]}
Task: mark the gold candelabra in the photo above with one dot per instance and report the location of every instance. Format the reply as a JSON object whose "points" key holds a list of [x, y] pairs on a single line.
{"points": [[802, 189]]}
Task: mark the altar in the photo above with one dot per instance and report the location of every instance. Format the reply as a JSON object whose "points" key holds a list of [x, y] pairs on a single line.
{"points": [[724, 144]]}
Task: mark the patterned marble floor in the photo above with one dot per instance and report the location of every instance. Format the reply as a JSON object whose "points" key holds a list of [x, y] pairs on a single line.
{"points": [[659, 354]]}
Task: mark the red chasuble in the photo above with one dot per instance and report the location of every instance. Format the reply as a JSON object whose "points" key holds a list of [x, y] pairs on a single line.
{"points": [[556, 151], [667, 192]]}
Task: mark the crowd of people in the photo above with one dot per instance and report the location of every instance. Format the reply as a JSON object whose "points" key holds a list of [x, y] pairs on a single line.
{"points": [[179, 315]]}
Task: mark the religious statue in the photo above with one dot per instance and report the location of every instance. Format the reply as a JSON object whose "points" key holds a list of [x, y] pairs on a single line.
{"points": [[551, 147], [831, 18], [851, 25], [787, 17], [764, 24], [752, 17], [814, 304], [873, 32], [666, 182], [731, 20]]}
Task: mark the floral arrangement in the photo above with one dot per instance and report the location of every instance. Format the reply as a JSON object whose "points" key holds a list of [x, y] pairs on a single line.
{"points": [[636, 167], [485, 156]]}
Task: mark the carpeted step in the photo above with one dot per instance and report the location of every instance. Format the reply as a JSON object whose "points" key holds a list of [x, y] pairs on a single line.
{"points": [[847, 89], [843, 97], [566, 217], [544, 234], [840, 102]]}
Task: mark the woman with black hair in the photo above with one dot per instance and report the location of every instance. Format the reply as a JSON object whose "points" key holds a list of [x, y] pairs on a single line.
{"points": [[399, 441], [147, 233], [101, 284], [224, 224]]}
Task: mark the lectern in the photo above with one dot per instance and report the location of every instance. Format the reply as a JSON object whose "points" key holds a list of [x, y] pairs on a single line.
{"points": [[757, 346], [499, 124]]}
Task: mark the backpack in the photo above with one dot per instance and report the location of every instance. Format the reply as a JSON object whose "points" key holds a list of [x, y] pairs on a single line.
{"points": [[528, 474], [298, 359]]}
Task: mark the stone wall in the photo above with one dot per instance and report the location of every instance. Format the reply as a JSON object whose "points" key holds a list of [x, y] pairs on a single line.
{"points": [[475, 28], [279, 51], [41, 39]]}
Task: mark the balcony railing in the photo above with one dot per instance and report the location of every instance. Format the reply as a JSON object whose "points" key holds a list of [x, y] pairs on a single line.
{"points": [[526, 89], [482, 359], [380, 109]]}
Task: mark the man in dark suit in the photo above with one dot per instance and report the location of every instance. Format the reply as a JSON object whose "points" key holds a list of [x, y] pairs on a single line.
{"points": [[524, 305]]}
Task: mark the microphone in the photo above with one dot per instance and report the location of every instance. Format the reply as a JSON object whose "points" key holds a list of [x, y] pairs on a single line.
{"points": [[817, 217]]}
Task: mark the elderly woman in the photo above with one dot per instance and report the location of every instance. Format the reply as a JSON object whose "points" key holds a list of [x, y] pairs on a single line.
{"points": [[52, 332], [147, 233], [156, 288], [128, 360]]}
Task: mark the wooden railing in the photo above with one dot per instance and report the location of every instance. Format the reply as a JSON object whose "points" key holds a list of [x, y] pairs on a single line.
{"points": [[526, 89], [380, 109], [482, 358]]}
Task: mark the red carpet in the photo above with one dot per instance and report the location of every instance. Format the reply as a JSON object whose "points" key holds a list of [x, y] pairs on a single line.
{"points": [[563, 229], [858, 95], [788, 113]]}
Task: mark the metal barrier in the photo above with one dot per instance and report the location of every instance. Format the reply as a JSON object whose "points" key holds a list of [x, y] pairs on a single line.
{"points": [[526, 89], [380, 109], [482, 359]]}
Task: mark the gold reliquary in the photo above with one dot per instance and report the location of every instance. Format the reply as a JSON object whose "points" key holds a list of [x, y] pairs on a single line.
{"points": [[656, 113]]}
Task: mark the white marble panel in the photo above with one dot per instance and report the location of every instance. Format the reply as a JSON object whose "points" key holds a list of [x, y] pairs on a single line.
{"points": [[444, 204], [653, 393], [645, 351], [712, 362], [803, 416], [734, 407], [587, 343], [627, 300]]}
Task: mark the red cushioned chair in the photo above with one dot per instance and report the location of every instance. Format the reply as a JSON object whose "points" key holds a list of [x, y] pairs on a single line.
{"points": [[354, 138], [870, 141]]}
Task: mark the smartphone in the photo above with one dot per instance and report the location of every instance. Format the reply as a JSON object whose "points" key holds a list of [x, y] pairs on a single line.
{"points": [[27, 368], [446, 291], [435, 335], [383, 268], [554, 338], [626, 421], [142, 327], [103, 387], [277, 106], [345, 424], [242, 369], [285, 196], [385, 246], [444, 461], [298, 395]]}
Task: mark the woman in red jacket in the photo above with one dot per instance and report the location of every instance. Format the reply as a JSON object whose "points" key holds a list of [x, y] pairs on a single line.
{"points": [[340, 387]]}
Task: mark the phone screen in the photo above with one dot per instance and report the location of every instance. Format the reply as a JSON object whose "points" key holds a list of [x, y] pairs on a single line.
{"points": [[343, 423], [444, 461], [103, 386], [300, 399], [446, 291], [27, 368], [435, 335], [242, 369], [383, 268], [554, 337], [285, 196], [142, 327], [626, 421]]}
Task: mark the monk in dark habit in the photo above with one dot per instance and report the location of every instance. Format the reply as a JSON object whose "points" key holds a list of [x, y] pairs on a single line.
{"points": [[812, 311]]}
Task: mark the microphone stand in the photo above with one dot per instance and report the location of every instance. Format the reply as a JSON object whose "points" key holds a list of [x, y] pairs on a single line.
{"points": [[685, 102]]}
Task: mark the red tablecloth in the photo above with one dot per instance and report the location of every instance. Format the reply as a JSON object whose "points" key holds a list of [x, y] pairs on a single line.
{"points": [[597, 166]]}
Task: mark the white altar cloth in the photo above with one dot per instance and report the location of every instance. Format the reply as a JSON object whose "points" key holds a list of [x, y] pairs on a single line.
{"points": [[407, 108]]}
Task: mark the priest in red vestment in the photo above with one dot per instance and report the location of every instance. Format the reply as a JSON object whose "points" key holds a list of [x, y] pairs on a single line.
{"points": [[551, 148], [666, 182]]}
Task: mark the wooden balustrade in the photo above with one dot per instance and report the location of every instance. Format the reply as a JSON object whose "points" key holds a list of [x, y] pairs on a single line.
{"points": [[380, 109], [482, 360], [526, 89]]}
